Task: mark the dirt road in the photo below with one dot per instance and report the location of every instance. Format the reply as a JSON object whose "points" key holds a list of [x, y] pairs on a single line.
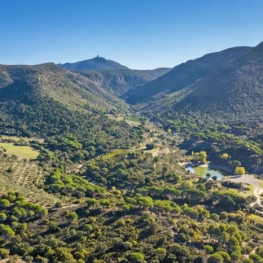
{"points": [[250, 179]]}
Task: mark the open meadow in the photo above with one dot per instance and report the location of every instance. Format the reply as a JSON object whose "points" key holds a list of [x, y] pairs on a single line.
{"points": [[22, 152]]}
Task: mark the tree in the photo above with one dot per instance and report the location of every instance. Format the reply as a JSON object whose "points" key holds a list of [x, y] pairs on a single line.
{"points": [[10, 170], [214, 177], [92, 202], [39, 210], [72, 216], [208, 249], [208, 175], [149, 146], [225, 256], [88, 227], [6, 231], [145, 202], [136, 257], [256, 258], [175, 178], [235, 256], [160, 253], [105, 202], [4, 253], [29, 259], [63, 255], [2, 216], [260, 251], [240, 170], [186, 185], [225, 156], [200, 156], [236, 163], [58, 205], [4, 203], [216, 258], [233, 241], [209, 185]]}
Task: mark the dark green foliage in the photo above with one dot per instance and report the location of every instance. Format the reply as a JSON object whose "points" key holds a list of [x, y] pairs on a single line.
{"points": [[111, 201], [118, 82], [221, 112], [184, 75], [71, 185], [163, 220]]}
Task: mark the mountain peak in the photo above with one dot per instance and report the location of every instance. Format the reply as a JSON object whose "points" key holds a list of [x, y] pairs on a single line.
{"points": [[97, 63], [260, 46], [99, 59]]}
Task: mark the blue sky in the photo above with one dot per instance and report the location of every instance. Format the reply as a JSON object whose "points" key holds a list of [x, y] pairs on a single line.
{"points": [[140, 34]]}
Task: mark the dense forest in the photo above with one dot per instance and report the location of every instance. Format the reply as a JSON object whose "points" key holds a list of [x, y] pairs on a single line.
{"points": [[214, 102], [131, 207], [87, 178]]}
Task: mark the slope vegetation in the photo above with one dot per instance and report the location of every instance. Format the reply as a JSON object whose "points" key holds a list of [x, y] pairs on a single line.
{"points": [[231, 93], [235, 90], [220, 112], [45, 100], [184, 75], [118, 82]]}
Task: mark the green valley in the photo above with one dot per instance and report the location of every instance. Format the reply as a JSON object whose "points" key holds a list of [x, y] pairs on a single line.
{"points": [[86, 177]]}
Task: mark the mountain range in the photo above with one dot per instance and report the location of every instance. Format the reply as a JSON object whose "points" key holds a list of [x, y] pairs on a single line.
{"points": [[226, 84], [108, 185], [184, 75], [47, 94], [112, 76], [235, 88]]}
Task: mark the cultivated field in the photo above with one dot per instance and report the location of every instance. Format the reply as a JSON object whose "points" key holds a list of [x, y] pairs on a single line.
{"points": [[25, 177]]}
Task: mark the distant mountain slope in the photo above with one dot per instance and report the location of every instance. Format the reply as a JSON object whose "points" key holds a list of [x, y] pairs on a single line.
{"points": [[118, 82], [47, 100], [233, 92], [97, 63], [61, 85], [183, 75]]}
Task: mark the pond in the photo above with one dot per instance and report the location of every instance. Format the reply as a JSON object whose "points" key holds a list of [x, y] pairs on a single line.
{"points": [[202, 171]]}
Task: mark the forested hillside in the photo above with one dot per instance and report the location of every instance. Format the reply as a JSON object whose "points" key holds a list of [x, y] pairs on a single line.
{"points": [[223, 108], [86, 178], [47, 101], [118, 82], [183, 75]]}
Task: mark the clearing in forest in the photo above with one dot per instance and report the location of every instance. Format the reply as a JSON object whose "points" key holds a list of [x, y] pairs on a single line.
{"points": [[22, 152]]}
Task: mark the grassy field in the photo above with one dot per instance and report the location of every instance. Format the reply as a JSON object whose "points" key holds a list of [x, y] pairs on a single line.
{"points": [[249, 192], [134, 122], [22, 152]]}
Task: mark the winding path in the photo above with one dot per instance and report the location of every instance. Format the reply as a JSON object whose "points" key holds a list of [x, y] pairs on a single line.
{"points": [[250, 179]]}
